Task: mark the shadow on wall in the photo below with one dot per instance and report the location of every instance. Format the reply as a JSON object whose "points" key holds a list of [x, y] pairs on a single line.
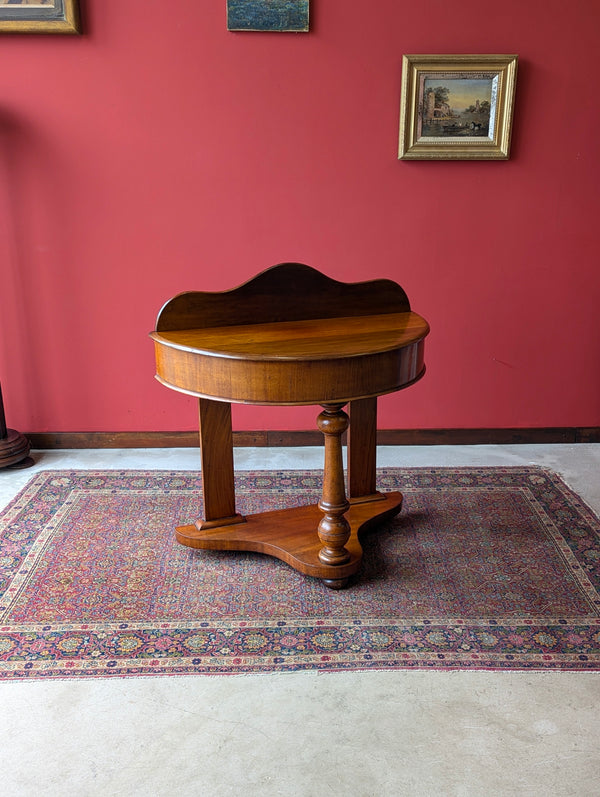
{"points": [[36, 268]]}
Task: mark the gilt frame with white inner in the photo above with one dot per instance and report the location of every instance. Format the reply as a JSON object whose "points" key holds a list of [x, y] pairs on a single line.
{"points": [[457, 107]]}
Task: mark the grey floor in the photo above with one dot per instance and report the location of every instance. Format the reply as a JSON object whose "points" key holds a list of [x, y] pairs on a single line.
{"points": [[359, 734]]}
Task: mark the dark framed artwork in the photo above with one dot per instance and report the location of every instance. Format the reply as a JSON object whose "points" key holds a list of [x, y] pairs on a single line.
{"points": [[457, 107], [284, 16], [39, 16]]}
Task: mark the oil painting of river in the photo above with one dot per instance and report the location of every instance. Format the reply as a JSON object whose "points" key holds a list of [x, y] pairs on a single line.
{"points": [[274, 15], [457, 107]]}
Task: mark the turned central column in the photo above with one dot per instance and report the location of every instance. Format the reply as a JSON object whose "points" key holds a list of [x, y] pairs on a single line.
{"points": [[334, 529]]}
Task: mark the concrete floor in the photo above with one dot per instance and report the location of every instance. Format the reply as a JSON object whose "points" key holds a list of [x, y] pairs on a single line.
{"points": [[357, 734]]}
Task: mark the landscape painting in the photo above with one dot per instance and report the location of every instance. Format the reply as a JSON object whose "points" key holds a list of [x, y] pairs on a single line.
{"points": [[268, 15], [457, 105]]}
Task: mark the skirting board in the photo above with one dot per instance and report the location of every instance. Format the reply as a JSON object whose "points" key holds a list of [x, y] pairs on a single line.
{"points": [[385, 437]]}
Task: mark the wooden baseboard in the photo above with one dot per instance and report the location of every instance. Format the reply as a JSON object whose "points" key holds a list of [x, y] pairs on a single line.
{"points": [[385, 437]]}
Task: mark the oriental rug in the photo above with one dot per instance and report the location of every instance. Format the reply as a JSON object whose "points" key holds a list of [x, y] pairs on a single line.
{"points": [[484, 568]]}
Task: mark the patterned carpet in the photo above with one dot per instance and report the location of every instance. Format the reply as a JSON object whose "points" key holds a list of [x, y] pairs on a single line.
{"points": [[485, 568]]}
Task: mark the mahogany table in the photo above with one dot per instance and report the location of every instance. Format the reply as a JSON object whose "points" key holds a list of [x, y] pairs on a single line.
{"points": [[292, 336]]}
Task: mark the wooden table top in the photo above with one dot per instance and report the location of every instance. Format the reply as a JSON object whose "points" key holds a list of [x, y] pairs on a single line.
{"points": [[306, 340], [311, 361]]}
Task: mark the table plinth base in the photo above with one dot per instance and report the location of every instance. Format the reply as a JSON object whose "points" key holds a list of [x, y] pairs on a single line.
{"points": [[291, 535], [14, 450]]}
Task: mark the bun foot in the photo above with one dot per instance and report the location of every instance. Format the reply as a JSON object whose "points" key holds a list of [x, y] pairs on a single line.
{"points": [[336, 583]]}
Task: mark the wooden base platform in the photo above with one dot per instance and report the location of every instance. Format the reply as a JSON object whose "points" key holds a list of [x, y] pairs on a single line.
{"points": [[291, 535]]}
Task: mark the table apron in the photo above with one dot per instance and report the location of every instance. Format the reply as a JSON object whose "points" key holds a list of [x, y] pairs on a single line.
{"points": [[290, 382]]}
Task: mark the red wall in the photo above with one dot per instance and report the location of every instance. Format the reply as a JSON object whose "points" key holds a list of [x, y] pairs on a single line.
{"points": [[159, 153]]}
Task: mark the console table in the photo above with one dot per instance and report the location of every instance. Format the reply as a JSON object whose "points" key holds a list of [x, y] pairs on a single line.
{"points": [[293, 336]]}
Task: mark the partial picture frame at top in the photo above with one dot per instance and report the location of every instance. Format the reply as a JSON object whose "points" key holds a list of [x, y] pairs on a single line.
{"points": [[457, 107], [280, 16], [39, 16]]}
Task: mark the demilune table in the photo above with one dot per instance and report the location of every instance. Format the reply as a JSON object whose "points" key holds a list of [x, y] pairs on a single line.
{"points": [[293, 336]]}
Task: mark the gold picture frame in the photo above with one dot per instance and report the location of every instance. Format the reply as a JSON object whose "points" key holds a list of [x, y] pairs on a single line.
{"points": [[39, 16], [457, 107]]}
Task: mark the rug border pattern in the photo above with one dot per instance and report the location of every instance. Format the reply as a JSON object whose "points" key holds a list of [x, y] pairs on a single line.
{"points": [[86, 650]]}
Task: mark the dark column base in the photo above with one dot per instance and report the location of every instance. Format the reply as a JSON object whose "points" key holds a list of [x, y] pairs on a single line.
{"points": [[14, 450]]}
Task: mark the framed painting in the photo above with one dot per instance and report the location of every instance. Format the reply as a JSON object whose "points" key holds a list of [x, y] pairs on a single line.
{"points": [[39, 16], [457, 107], [284, 16]]}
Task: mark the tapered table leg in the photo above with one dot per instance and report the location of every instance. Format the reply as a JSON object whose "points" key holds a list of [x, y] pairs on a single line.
{"points": [[216, 450], [362, 450]]}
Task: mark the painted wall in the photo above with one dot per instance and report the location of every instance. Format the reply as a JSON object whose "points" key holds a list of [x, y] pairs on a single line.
{"points": [[160, 153]]}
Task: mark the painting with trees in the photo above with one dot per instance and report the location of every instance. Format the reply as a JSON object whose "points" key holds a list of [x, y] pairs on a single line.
{"points": [[268, 15], [457, 106]]}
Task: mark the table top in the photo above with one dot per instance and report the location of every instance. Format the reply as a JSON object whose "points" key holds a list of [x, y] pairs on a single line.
{"points": [[312, 361], [306, 340]]}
